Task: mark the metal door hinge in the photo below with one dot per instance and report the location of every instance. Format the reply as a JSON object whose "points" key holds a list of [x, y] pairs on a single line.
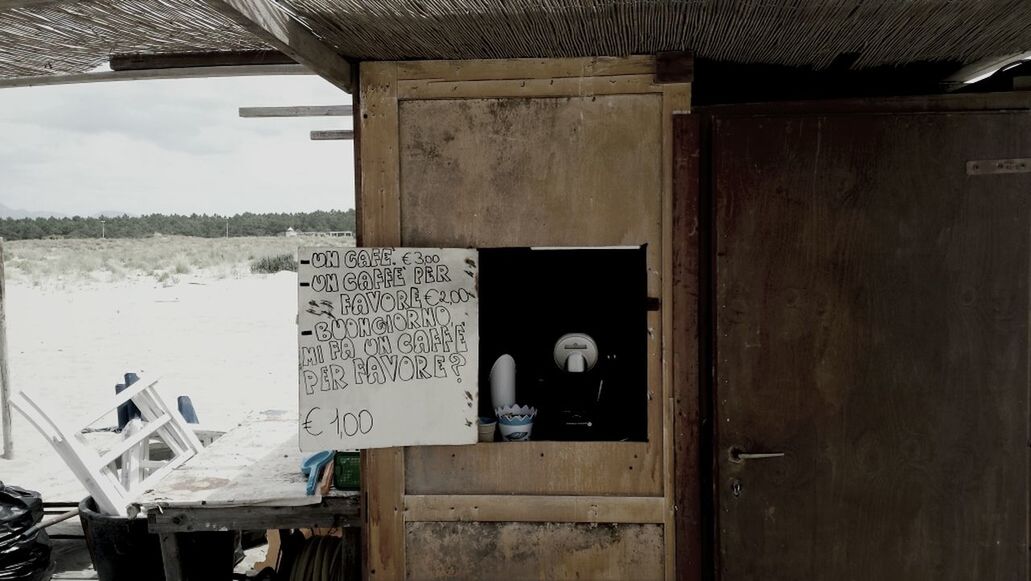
{"points": [[999, 166]]}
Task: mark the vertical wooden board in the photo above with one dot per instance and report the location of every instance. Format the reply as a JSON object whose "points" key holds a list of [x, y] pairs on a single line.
{"points": [[171, 556], [687, 485], [6, 429], [545, 172], [379, 224], [356, 106], [379, 215], [383, 478], [872, 324], [676, 98], [530, 551]]}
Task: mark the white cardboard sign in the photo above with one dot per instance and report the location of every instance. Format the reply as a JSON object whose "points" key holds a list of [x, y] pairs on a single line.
{"points": [[388, 345]]}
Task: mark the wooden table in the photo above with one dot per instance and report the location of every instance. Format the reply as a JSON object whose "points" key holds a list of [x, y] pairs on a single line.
{"points": [[249, 479]]}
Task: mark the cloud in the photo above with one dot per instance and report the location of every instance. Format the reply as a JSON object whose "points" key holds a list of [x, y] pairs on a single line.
{"points": [[171, 146]]}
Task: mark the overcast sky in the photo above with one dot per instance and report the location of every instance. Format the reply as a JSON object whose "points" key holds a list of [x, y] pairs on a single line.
{"points": [[172, 146]]}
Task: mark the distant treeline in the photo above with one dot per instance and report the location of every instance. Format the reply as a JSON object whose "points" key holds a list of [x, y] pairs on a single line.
{"points": [[200, 225]]}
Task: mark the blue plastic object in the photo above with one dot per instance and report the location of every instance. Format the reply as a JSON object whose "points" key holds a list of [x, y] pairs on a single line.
{"points": [[185, 406], [123, 410], [128, 410], [312, 468]]}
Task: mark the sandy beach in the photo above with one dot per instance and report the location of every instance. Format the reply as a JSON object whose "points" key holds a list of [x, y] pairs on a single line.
{"points": [[228, 342]]}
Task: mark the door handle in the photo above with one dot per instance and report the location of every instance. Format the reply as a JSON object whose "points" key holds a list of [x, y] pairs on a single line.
{"points": [[738, 455]]}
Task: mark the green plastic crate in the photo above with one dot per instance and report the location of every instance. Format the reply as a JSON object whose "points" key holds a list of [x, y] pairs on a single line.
{"points": [[347, 471]]}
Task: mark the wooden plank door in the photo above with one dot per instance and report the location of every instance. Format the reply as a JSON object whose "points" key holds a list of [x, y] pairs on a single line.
{"points": [[871, 306]]}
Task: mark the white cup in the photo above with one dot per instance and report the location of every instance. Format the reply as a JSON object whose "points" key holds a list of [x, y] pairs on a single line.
{"points": [[516, 433]]}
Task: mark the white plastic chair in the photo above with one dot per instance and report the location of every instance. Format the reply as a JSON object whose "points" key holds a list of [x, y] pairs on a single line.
{"points": [[112, 490]]}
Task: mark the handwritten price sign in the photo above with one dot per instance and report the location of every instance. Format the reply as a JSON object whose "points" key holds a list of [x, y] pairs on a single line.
{"points": [[387, 347]]}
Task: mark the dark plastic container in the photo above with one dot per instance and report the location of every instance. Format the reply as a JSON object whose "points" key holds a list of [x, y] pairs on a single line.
{"points": [[122, 549]]}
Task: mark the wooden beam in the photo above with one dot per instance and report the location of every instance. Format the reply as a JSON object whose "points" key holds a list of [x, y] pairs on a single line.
{"points": [[676, 98], [527, 88], [688, 229], [378, 202], [5, 385], [171, 556], [513, 508], [525, 68], [674, 67], [351, 553], [270, 23], [334, 512], [155, 74], [184, 60], [1016, 100], [332, 135], [981, 69], [302, 111]]}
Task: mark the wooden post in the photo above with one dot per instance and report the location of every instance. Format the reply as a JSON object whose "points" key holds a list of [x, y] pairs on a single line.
{"points": [[284, 32], [170, 556], [5, 384]]}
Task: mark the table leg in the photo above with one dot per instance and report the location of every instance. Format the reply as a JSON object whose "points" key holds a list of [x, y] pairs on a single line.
{"points": [[170, 556], [352, 553]]}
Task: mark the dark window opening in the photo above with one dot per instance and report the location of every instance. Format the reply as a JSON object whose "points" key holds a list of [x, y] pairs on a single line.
{"points": [[530, 299]]}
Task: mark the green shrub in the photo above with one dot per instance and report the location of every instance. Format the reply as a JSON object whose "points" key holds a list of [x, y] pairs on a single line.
{"points": [[274, 264]]}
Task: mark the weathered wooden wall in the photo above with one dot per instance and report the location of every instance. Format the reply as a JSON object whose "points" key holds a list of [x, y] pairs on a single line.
{"points": [[525, 551], [537, 172], [572, 152]]}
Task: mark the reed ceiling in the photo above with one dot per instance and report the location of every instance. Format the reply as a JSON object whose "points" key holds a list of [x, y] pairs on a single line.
{"points": [[74, 36]]}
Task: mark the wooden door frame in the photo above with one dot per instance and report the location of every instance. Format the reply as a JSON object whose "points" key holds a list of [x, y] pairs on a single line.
{"points": [[689, 299]]}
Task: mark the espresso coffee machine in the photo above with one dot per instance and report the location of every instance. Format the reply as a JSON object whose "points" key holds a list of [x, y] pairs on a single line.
{"points": [[577, 387]]}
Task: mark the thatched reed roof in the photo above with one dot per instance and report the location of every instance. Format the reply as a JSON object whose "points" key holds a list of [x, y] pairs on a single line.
{"points": [[74, 36], [78, 36]]}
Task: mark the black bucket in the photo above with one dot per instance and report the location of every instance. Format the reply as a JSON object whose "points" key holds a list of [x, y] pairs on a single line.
{"points": [[122, 549]]}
